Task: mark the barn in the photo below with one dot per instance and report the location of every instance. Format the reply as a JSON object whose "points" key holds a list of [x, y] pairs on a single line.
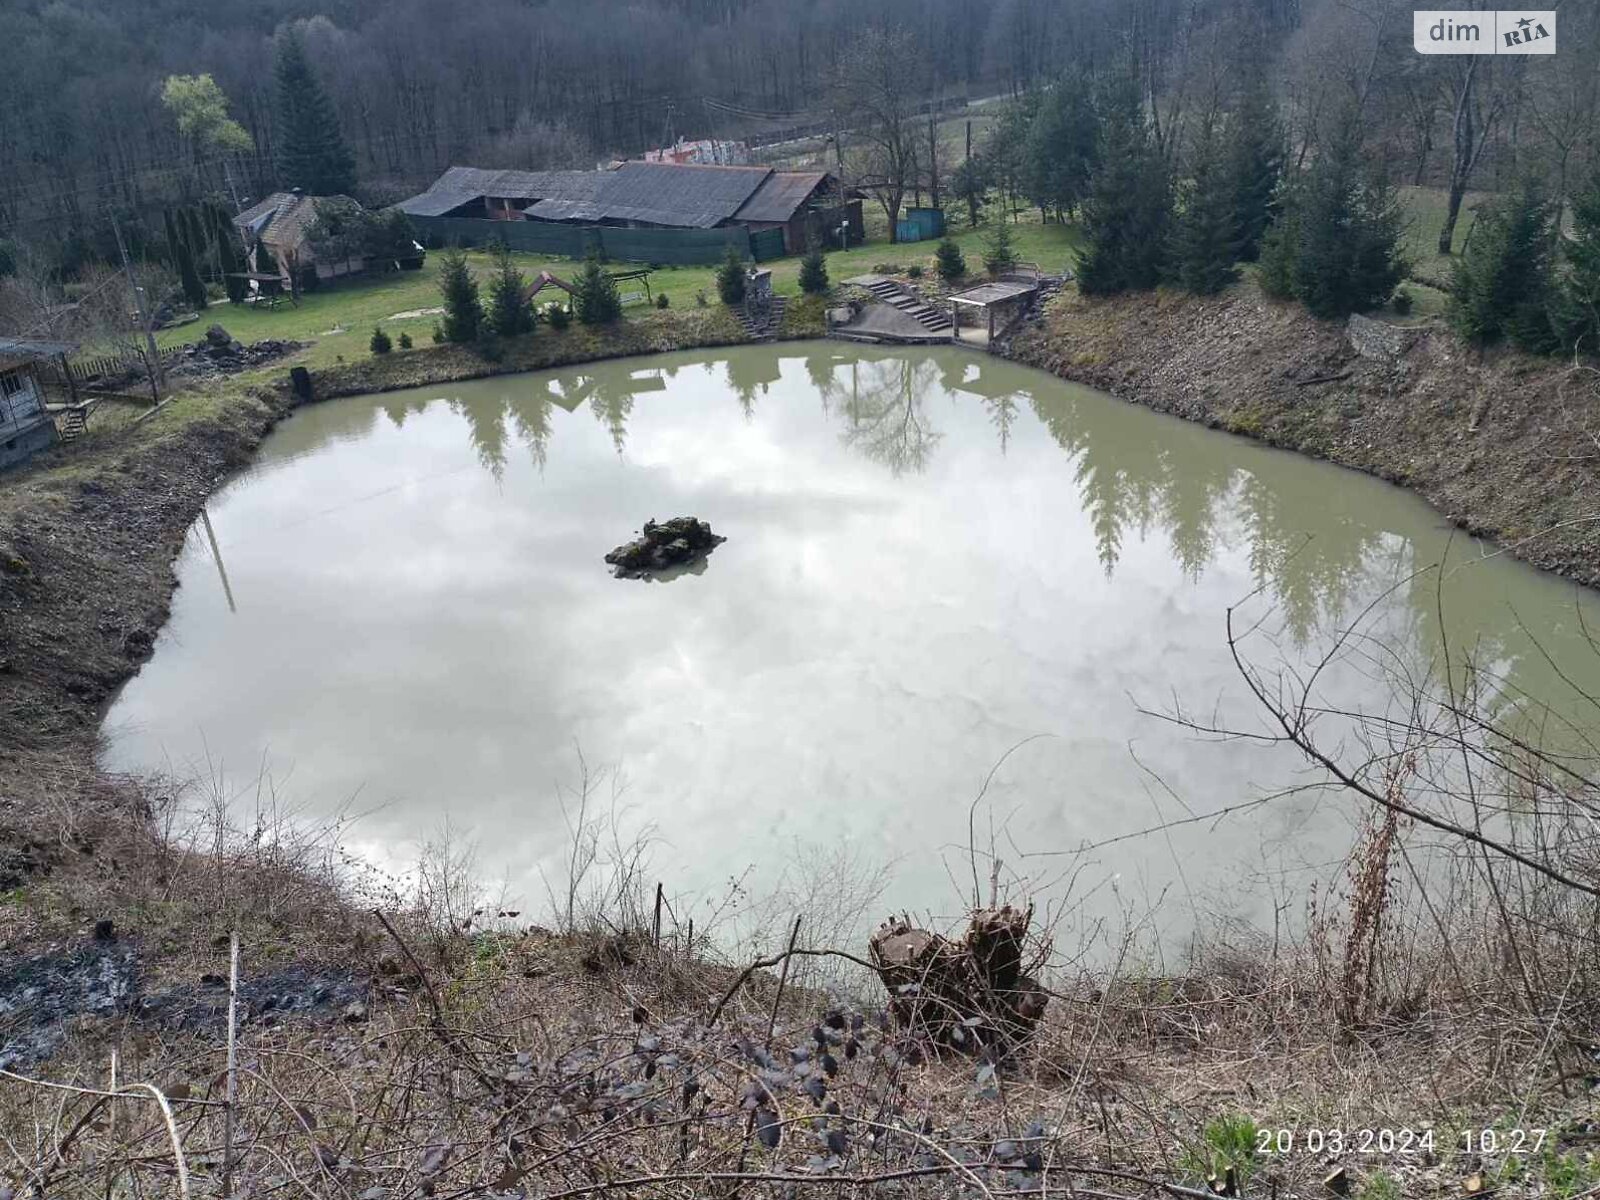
{"points": [[778, 208]]}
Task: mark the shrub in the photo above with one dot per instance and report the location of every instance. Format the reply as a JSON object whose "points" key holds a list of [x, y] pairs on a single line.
{"points": [[731, 278], [887, 268], [662, 301], [814, 270], [1402, 301], [405, 341], [558, 316], [914, 271], [438, 334], [952, 263], [380, 342], [700, 299]]}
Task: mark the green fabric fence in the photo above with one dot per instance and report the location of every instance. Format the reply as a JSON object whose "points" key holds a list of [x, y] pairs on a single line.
{"points": [[680, 246]]}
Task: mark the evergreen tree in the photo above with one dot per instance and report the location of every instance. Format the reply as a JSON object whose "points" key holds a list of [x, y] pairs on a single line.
{"points": [[814, 270], [1129, 207], [509, 313], [1254, 165], [311, 150], [1578, 294], [1279, 247], [731, 277], [952, 263], [177, 230], [1205, 244], [1502, 282], [597, 300], [230, 252], [970, 185], [1347, 257], [999, 256], [463, 313], [1059, 153]]}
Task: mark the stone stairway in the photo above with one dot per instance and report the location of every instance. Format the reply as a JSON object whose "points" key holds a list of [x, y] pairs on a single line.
{"points": [[932, 319], [762, 327]]}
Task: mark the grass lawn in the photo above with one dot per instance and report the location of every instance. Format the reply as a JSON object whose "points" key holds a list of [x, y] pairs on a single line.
{"points": [[339, 320], [1425, 209]]}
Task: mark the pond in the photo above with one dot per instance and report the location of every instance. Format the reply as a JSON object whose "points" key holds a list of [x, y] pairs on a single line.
{"points": [[400, 612]]}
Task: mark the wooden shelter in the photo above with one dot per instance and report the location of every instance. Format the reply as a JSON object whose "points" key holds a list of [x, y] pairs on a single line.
{"points": [[26, 426], [1006, 298]]}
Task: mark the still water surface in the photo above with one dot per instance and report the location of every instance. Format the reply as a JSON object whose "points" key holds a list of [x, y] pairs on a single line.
{"points": [[931, 557]]}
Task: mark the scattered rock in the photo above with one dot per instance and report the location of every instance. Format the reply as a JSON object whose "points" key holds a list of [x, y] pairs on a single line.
{"points": [[662, 546]]}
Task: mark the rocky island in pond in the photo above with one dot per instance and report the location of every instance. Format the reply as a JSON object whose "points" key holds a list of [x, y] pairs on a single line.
{"points": [[661, 547]]}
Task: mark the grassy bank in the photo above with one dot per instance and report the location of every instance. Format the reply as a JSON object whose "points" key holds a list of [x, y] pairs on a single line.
{"points": [[1499, 442]]}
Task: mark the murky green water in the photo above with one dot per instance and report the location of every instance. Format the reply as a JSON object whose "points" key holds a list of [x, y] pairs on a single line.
{"points": [[931, 557]]}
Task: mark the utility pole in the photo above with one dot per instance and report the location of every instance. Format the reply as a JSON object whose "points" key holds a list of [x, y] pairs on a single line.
{"points": [[933, 156], [157, 372]]}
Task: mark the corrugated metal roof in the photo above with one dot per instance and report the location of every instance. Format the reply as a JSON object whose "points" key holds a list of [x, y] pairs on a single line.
{"points": [[685, 195], [697, 197], [780, 196], [14, 348], [463, 185]]}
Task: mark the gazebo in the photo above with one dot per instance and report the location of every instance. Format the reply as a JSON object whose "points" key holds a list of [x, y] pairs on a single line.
{"points": [[986, 298]]}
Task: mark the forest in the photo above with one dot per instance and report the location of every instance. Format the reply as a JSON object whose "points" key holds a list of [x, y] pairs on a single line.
{"points": [[88, 129]]}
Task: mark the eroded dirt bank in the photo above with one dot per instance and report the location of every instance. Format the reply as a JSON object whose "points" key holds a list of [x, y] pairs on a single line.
{"points": [[1505, 445]]}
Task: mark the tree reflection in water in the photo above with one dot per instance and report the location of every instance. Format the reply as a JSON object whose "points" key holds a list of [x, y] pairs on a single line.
{"points": [[886, 416]]}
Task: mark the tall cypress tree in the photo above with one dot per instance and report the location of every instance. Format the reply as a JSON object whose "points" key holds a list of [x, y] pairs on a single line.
{"points": [[230, 253], [1206, 239], [1502, 286], [1254, 163], [182, 248], [1128, 212], [311, 151]]}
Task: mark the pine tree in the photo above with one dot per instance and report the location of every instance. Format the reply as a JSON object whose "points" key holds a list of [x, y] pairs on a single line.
{"points": [[1254, 163], [463, 313], [1578, 295], [1059, 153], [999, 255], [731, 277], [1502, 283], [1205, 245], [814, 270], [1128, 212], [952, 263], [970, 185], [597, 300], [509, 314], [1279, 247], [1347, 254], [311, 151]]}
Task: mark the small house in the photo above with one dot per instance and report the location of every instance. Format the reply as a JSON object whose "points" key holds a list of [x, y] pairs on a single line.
{"points": [[25, 426], [282, 223]]}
